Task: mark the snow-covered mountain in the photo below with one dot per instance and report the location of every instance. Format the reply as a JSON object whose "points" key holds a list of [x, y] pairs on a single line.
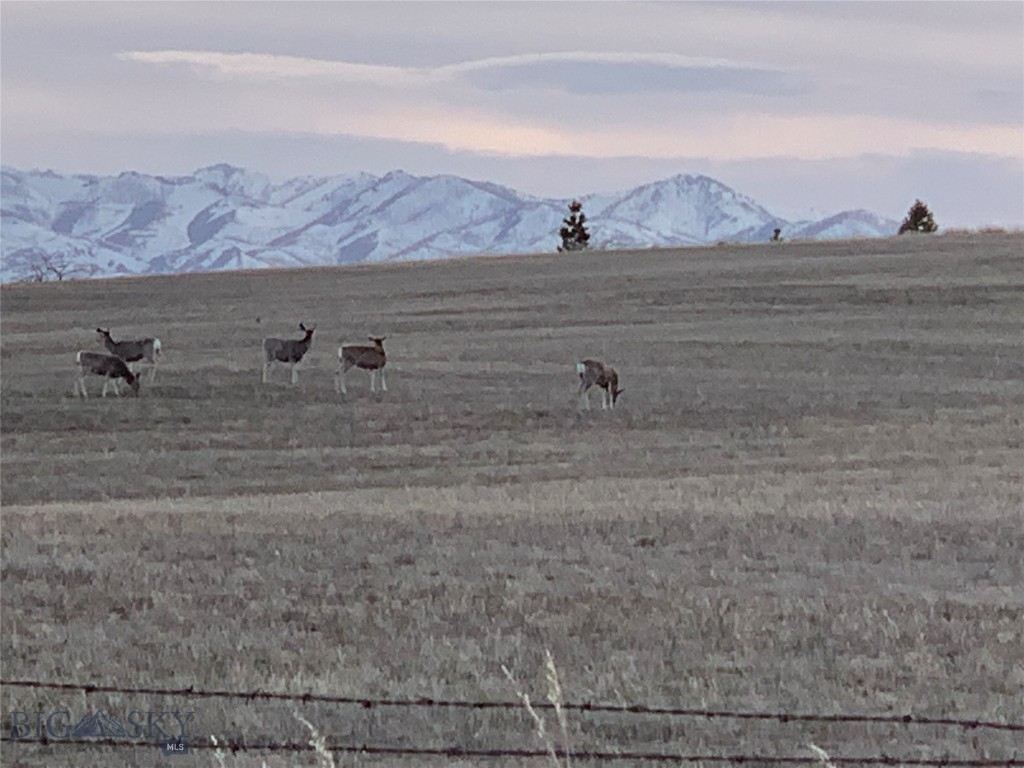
{"points": [[223, 217]]}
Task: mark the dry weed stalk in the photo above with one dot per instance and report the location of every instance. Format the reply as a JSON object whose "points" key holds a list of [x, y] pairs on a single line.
{"points": [[218, 754], [557, 700], [317, 741], [554, 696], [822, 755]]}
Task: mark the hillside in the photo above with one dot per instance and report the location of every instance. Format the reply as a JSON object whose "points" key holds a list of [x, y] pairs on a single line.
{"points": [[807, 500]]}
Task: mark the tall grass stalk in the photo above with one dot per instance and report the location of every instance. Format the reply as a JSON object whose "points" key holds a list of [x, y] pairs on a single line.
{"points": [[316, 740], [557, 700], [218, 753], [822, 755], [554, 696]]}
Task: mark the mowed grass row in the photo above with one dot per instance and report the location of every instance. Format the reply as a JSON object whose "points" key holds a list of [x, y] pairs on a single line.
{"points": [[808, 499]]}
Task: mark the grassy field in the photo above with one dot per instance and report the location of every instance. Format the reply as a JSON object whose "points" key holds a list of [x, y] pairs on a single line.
{"points": [[809, 499]]}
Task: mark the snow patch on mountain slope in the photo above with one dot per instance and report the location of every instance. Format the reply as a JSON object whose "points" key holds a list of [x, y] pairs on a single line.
{"points": [[224, 217]]}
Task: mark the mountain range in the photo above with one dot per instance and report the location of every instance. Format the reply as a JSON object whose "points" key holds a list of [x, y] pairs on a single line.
{"points": [[223, 217]]}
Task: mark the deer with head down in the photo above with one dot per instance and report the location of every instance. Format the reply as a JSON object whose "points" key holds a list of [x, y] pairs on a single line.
{"points": [[594, 372], [110, 367]]}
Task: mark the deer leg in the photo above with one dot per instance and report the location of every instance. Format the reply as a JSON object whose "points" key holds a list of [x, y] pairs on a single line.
{"points": [[80, 384], [295, 375], [341, 377], [266, 367], [585, 397], [373, 380], [383, 380]]}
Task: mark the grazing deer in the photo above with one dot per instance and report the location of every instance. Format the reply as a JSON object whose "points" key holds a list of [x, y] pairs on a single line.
{"points": [[110, 367], [595, 372], [289, 351], [133, 351], [368, 358]]}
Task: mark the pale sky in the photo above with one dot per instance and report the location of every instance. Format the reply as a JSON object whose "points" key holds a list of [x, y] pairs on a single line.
{"points": [[820, 105]]}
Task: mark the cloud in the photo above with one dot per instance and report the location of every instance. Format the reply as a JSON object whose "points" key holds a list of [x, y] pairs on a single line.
{"points": [[444, 106], [583, 72], [595, 74], [262, 66]]}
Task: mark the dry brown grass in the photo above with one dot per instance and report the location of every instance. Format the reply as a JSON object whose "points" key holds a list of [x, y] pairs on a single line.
{"points": [[810, 498]]}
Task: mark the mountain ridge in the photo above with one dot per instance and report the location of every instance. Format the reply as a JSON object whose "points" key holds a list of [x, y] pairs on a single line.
{"points": [[226, 217]]}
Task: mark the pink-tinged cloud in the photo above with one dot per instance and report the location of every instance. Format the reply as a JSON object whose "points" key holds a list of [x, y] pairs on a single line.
{"points": [[429, 105]]}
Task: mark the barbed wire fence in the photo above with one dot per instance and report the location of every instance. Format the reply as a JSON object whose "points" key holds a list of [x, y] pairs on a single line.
{"points": [[234, 746]]}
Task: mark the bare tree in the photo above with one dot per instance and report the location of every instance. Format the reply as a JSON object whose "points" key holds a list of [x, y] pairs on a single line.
{"points": [[58, 266]]}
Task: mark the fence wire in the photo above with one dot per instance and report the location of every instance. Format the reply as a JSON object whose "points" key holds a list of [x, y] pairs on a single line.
{"points": [[583, 755], [626, 709]]}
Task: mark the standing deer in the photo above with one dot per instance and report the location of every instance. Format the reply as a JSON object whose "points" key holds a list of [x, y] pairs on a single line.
{"points": [[289, 351], [132, 351], [593, 372], [110, 367], [372, 359]]}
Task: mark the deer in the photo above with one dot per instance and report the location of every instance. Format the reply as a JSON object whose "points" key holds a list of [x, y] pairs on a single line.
{"points": [[289, 351], [111, 367], [593, 372], [132, 351], [372, 359]]}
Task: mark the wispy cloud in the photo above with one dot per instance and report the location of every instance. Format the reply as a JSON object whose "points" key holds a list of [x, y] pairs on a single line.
{"points": [[580, 71], [271, 66]]}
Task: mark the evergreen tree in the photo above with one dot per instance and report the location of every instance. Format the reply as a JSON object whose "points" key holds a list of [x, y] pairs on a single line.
{"points": [[574, 234], [919, 219]]}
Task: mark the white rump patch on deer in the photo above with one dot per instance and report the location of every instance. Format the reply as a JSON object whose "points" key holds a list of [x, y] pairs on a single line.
{"points": [[594, 372], [133, 351], [368, 358]]}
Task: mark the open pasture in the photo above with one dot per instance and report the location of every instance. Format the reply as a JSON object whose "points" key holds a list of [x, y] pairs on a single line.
{"points": [[808, 499]]}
